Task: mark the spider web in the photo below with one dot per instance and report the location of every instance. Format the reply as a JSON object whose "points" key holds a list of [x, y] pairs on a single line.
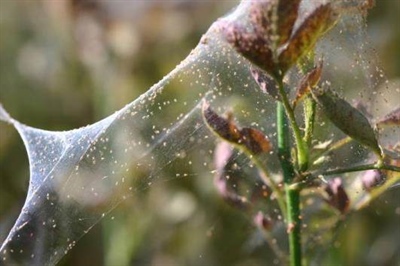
{"points": [[77, 177]]}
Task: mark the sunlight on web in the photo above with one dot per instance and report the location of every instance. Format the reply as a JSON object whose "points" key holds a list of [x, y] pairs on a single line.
{"points": [[77, 177]]}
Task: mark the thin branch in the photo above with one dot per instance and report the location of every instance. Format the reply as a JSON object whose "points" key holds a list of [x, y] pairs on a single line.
{"points": [[359, 168]]}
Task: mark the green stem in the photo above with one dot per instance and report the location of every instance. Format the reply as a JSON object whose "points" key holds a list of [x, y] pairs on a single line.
{"points": [[309, 113], [337, 145], [333, 147], [359, 168], [266, 177], [302, 150], [294, 225], [292, 195], [284, 144]]}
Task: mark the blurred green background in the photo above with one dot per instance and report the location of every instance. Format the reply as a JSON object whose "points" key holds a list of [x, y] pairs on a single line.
{"points": [[67, 63]]}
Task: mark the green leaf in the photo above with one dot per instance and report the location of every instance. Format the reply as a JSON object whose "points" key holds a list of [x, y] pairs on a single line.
{"points": [[347, 118]]}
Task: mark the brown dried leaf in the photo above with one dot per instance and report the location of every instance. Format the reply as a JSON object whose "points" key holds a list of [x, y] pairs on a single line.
{"points": [[393, 118], [347, 118], [221, 126], [315, 25], [287, 15], [255, 141], [307, 82], [336, 195]]}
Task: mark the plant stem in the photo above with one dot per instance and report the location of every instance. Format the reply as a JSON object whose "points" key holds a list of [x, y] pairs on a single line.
{"points": [[309, 112], [284, 144], [292, 195], [302, 150], [294, 225], [361, 168], [333, 147]]}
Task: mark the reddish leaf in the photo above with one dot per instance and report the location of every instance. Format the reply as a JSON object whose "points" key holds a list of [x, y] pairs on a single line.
{"points": [[307, 82], [321, 20], [287, 15], [255, 43], [221, 126], [260, 16], [269, 42], [254, 140], [250, 139], [347, 118], [336, 195], [254, 46]]}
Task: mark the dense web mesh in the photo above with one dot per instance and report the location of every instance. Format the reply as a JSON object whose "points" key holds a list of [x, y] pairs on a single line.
{"points": [[77, 177]]}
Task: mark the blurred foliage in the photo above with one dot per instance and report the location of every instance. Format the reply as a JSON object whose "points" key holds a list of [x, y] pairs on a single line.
{"points": [[68, 63]]}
